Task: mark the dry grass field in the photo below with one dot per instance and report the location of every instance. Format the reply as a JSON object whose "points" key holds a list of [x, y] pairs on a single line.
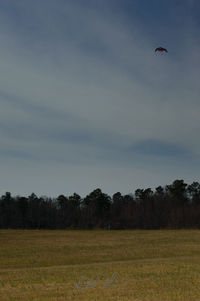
{"points": [[42, 265]]}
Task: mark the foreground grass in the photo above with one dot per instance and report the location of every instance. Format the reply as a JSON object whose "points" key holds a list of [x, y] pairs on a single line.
{"points": [[141, 265]]}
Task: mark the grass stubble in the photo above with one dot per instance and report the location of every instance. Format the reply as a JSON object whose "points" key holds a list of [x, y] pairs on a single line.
{"points": [[137, 265]]}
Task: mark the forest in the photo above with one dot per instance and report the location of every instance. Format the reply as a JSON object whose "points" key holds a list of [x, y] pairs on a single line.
{"points": [[175, 206]]}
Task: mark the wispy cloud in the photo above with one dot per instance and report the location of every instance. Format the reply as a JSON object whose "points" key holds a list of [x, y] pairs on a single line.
{"points": [[81, 85], [159, 148]]}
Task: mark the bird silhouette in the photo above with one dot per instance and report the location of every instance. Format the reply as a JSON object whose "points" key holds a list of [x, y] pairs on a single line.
{"points": [[161, 49]]}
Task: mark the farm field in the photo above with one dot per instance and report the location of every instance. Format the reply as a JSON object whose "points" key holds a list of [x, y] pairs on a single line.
{"points": [[137, 265]]}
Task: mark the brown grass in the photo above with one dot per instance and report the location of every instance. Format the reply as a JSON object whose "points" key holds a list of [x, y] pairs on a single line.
{"points": [[42, 265]]}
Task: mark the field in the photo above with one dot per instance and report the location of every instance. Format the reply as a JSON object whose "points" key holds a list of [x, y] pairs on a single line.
{"points": [[78, 265]]}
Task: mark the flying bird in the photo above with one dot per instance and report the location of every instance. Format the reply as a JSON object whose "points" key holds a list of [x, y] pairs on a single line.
{"points": [[161, 49]]}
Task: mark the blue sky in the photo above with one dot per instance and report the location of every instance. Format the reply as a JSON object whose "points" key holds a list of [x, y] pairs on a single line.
{"points": [[85, 101]]}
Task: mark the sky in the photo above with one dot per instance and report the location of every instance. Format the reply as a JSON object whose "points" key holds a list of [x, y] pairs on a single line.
{"points": [[86, 103]]}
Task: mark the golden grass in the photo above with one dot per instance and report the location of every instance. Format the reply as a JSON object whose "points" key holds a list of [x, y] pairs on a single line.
{"points": [[41, 265]]}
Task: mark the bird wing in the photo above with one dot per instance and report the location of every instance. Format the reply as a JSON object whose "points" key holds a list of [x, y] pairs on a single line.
{"points": [[161, 49]]}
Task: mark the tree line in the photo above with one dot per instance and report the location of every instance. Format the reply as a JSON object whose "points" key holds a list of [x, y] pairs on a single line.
{"points": [[174, 206]]}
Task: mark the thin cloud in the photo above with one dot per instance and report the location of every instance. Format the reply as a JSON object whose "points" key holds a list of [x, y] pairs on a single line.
{"points": [[81, 85]]}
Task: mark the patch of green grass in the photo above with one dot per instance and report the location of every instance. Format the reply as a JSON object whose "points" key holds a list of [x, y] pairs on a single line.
{"points": [[43, 265]]}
